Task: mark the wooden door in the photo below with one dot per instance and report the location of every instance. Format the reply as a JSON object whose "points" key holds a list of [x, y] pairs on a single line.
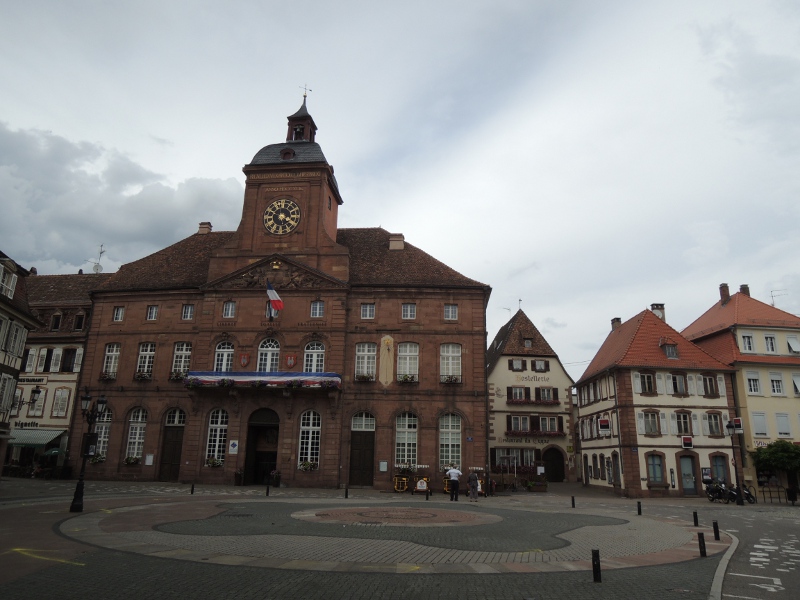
{"points": [[362, 457], [170, 465]]}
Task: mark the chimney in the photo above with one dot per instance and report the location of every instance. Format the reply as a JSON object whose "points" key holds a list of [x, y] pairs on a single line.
{"points": [[615, 322], [744, 289], [658, 310], [80, 271], [724, 293], [396, 241], [33, 271], [205, 227]]}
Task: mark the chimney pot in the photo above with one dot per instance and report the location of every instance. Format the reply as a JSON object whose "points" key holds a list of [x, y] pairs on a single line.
{"points": [[615, 322], [658, 310], [396, 241], [724, 293], [205, 227], [744, 289]]}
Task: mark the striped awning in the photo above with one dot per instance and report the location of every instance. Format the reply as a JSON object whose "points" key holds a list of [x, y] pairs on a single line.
{"points": [[34, 437], [270, 379]]}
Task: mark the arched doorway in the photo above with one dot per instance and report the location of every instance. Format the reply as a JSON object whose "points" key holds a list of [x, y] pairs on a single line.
{"points": [[553, 465], [263, 428], [171, 445]]}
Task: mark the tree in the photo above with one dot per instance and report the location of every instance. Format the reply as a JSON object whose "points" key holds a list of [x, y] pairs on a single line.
{"points": [[777, 456]]}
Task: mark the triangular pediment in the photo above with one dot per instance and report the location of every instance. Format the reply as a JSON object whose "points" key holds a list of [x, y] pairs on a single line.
{"points": [[282, 272]]}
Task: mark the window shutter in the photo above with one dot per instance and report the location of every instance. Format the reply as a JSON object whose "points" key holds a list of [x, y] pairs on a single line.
{"points": [[42, 359], [509, 427], [659, 383], [547, 365], [695, 425], [510, 364], [724, 423], [662, 417], [524, 365], [55, 363], [31, 361], [673, 423], [640, 423], [535, 424], [721, 385], [538, 393], [670, 387], [509, 392], [78, 359], [555, 393], [561, 423], [690, 384], [527, 393], [637, 385], [705, 425]]}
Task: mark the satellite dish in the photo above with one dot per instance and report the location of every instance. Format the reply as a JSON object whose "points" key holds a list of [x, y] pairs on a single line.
{"points": [[97, 268]]}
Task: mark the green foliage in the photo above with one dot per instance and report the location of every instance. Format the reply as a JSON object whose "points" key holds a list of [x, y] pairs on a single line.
{"points": [[777, 456]]}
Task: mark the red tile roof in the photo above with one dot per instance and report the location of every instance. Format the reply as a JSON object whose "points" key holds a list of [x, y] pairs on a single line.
{"points": [[743, 310], [510, 340], [638, 343], [62, 290]]}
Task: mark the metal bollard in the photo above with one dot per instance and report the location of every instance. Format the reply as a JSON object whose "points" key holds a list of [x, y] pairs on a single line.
{"points": [[716, 531], [267, 489], [701, 540], [596, 566], [427, 494], [193, 489], [695, 518], [638, 508], [573, 502], [346, 493]]}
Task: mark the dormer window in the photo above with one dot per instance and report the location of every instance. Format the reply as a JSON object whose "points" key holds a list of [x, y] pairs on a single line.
{"points": [[671, 350], [287, 154], [528, 343]]}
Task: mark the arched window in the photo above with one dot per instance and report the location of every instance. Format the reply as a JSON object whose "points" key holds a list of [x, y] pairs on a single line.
{"points": [[408, 362], [136, 429], [269, 355], [101, 428], [175, 417], [314, 360], [223, 357], [449, 440], [310, 428], [362, 421], [217, 436], [365, 361], [406, 439]]}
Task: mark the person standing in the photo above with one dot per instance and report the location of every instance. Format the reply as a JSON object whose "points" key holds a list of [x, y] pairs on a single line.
{"points": [[472, 484], [453, 474]]}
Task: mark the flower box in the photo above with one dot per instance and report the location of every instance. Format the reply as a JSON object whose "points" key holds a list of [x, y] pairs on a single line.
{"points": [[363, 377], [131, 460], [407, 379], [176, 376], [307, 466], [105, 376], [141, 376], [214, 462], [450, 379]]}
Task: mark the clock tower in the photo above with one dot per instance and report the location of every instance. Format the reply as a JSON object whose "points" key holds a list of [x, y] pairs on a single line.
{"points": [[291, 204]]}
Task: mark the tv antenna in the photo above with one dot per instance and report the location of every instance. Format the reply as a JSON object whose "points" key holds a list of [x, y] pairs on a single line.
{"points": [[774, 295], [97, 268]]}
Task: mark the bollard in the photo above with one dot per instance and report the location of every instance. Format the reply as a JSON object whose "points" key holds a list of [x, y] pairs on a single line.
{"points": [[596, 566], [427, 494], [346, 492], [638, 508], [701, 540], [695, 518], [267, 489], [193, 489], [716, 530], [573, 502]]}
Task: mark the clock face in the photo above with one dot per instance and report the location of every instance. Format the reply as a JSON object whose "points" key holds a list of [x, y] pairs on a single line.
{"points": [[282, 216]]}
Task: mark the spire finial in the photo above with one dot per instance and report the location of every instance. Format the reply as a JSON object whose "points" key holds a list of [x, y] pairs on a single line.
{"points": [[305, 89]]}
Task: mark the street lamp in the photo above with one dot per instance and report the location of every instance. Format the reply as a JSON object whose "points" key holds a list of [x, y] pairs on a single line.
{"points": [[731, 431], [90, 413]]}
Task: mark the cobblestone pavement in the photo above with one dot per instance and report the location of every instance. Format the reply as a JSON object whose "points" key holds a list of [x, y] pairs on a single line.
{"points": [[159, 541]]}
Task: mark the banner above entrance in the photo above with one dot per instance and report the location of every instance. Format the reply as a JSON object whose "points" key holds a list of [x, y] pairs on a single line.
{"points": [[278, 379]]}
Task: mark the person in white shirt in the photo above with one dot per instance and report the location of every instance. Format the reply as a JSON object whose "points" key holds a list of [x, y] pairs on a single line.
{"points": [[453, 474]]}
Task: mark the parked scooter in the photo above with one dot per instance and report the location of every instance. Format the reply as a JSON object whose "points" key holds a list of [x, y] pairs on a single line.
{"points": [[745, 492], [716, 490]]}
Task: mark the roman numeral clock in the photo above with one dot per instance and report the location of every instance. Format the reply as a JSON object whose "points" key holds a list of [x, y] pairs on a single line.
{"points": [[282, 216]]}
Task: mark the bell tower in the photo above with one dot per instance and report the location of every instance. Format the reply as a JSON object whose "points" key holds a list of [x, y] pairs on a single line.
{"points": [[291, 206]]}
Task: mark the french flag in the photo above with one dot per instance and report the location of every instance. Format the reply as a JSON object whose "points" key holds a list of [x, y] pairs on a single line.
{"points": [[274, 301]]}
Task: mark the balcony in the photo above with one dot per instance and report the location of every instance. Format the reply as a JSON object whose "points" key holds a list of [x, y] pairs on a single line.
{"points": [[275, 380]]}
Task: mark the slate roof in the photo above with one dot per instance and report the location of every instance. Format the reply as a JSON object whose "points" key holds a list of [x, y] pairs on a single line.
{"points": [[61, 290], [20, 299], [304, 152], [510, 340], [372, 263], [637, 343], [740, 310], [185, 264]]}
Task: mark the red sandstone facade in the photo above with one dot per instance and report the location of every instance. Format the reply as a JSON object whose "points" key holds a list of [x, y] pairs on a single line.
{"points": [[376, 360]]}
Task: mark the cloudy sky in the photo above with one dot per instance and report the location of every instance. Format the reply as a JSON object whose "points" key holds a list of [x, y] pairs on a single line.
{"points": [[585, 159]]}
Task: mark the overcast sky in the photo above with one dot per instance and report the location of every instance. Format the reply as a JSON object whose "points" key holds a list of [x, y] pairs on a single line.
{"points": [[587, 158]]}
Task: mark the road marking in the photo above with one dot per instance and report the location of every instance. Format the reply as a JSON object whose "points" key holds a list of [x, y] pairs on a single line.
{"points": [[32, 554]]}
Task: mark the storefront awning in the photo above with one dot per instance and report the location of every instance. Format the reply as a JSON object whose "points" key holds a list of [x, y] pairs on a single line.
{"points": [[34, 437]]}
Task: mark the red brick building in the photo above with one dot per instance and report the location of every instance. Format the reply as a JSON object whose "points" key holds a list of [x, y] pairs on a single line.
{"points": [[376, 359]]}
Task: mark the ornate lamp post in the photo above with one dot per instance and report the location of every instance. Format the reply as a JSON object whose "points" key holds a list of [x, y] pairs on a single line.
{"points": [[731, 431], [90, 413]]}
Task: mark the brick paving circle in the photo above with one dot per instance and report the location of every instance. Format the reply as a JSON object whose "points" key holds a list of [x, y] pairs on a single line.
{"points": [[401, 516]]}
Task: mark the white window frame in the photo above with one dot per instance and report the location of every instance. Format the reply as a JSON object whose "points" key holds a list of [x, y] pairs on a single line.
{"points": [[102, 428], [317, 309], [223, 357], [175, 418], [60, 402], [771, 344], [548, 423], [111, 359], [269, 356], [314, 358], [449, 440], [187, 312], [310, 436], [152, 312], [450, 362], [753, 383], [8, 282], [451, 312], [181, 358], [748, 342], [147, 357], [362, 421], [405, 446], [782, 422], [137, 427], [229, 309], [217, 440], [118, 315], [408, 361], [408, 311], [776, 384], [759, 419], [366, 360], [520, 423], [368, 310]]}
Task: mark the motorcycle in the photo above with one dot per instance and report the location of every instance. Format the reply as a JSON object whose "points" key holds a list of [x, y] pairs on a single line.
{"points": [[716, 490], [745, 492]]}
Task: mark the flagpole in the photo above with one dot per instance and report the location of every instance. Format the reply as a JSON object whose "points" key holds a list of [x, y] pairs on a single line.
{"points": [[269, 303]]}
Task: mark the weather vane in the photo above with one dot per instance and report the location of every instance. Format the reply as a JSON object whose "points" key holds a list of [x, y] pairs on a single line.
{"points": [[305, 89]]}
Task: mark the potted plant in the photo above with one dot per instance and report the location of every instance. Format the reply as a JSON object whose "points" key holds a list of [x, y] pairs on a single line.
{"points": [[365, 377], [226, 382], [214, 462], [307, 465], [450, 379], [131, 460], [192, 382], [275, 478], [98, 458], [106, 376], [406, 379], [538, 483], [177, 376], [142, 376]]}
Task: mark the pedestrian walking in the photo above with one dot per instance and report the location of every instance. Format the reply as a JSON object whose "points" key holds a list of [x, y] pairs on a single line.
{"points": [[453, 475], [472, 484]]}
